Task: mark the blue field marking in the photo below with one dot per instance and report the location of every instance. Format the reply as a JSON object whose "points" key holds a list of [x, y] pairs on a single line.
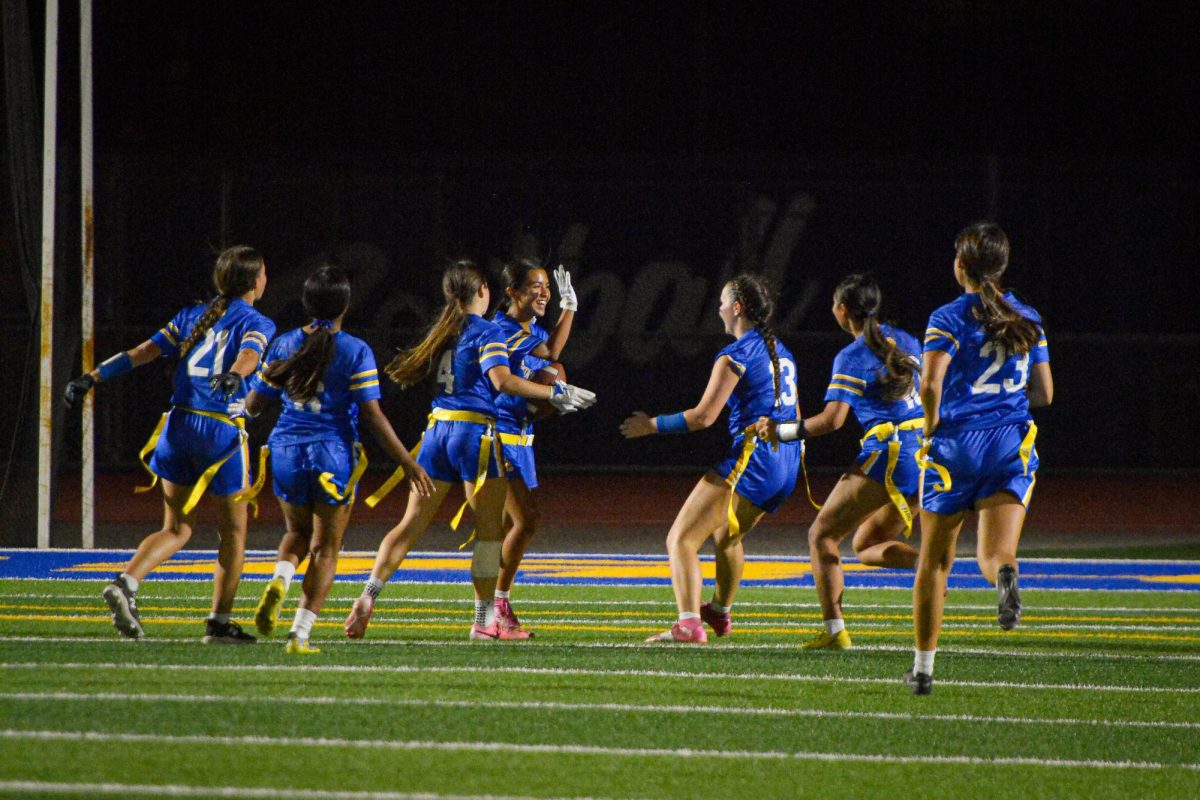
{"points": [[591, 569]]}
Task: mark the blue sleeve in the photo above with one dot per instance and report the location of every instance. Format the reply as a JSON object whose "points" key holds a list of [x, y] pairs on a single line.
{"points": [[168, 337], [848, 383], [1041, 352], [364, 382], [259, 382], [942, 332], [493, 349], [258, 335], [736, 360]]}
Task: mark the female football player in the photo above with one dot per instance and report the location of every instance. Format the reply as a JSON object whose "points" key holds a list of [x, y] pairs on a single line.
{"points": [[755, 376], [530, 347], [200, 444], [875, 376], [460, 443], [327, 380], [985, 365]]}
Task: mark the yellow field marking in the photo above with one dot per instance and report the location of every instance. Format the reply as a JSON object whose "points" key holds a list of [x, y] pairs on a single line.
{"points": [[1172, 579], [633, 629], [635, 614]]}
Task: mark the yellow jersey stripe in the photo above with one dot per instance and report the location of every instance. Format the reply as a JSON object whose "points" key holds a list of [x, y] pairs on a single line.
{"points": [[933, 333], [363, 385], [848, 379], [170, 337], [845, 388], [738, 367], [358, 375]]}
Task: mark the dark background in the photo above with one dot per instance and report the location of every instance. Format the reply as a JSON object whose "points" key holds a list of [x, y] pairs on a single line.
{"points": [[657, 151]]}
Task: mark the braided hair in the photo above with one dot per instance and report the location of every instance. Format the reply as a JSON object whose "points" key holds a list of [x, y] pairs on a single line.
{"points": [[236, 272], [982, 251], [861, 296], [460, 282], [326, 297], [758, 305]]}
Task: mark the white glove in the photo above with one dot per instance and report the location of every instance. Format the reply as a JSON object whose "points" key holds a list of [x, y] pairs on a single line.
{"points": [[566, 293], [567, 398]]}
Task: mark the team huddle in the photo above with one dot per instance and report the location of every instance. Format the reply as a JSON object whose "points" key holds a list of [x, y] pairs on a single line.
{"points": [[947, 426]]}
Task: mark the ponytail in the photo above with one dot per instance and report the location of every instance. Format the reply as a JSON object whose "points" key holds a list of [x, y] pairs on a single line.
{"points": [[982, 254], [300, 374], [460, 282], [768, 336], [758, 306], [235, 273], [861, 296], [216, 309]]}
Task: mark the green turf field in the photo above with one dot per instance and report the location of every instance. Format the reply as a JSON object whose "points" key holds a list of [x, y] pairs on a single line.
{"points": [[1096, 695]]}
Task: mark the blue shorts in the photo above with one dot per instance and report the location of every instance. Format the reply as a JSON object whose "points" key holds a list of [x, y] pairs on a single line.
{"points": [[450, 452], [770, 475], [190, 443], [907, 475], [296, 471], [519, 464], [980, 463]]}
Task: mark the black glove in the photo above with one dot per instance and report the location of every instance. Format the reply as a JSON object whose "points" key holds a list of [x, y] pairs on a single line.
{"points": [[77, 388], [225, 384]]}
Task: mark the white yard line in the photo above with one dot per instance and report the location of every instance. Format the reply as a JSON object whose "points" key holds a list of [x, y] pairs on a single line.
{"points": [[620, 708], [267, 793], [109, 737], [51, 666]]}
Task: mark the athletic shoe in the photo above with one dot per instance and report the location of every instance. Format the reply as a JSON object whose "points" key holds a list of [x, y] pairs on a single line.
{"points": [[824, 641], [225, 633], [267, 613], [721, 624], [488, 633], [299, 647], [510, 626], [1009, 613], [919, 682], [683, 632], [360, 615], [123, 605]]}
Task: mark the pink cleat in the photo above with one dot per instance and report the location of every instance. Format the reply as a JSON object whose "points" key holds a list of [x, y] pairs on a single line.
{"points": [[721, 624], [360, 615], [485, 633], [685, 631], [510, 626]]}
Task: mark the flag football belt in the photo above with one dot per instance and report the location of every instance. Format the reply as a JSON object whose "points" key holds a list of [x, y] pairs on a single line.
{"points": [[211, 470], [749, 442], [890, 432], [325, 479], [518, 439], [488, 443], [1025, 451]]}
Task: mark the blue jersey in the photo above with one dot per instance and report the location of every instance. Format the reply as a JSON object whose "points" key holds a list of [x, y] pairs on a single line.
{"points": [[855, 381], [332, 414], [239, 328], [462, 374], [754, 394], [984, 385], [512, 412]]}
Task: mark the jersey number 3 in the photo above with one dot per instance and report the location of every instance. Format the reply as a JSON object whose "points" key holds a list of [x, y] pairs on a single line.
{"points": [[787, 383], [999, 356]]}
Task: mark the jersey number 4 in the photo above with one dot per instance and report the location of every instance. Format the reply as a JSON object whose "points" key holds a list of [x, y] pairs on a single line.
{"points": [[999, 355], [445, 372]]}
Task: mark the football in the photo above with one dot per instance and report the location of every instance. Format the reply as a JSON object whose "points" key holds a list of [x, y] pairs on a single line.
{"points": [[547, 376]]}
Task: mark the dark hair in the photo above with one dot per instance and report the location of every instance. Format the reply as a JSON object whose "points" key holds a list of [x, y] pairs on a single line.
{"points": [[514, 273], [235, 273], [326, 297], [982, 251], [460, 282], [758, 306], [861, 296]]}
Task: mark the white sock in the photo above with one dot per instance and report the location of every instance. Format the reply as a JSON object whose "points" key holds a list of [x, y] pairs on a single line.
{"points": [[835, 626], [373, 587], [131, 582], [502, 595], [719, 609], [923, 661], [685, 615], [287, 571], [303, 622], [220, 619], [485, 612]]}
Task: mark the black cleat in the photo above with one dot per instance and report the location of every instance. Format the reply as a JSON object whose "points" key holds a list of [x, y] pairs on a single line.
{"points": [[123, 605], [225, 633], [1009, 613], [919, 682]]}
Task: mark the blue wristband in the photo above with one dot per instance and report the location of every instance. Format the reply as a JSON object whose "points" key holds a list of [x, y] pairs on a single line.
{"points": [[117, 365], [672, 423]]}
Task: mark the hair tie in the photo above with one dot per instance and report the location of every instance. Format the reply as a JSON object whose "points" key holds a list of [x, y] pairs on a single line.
{"points": [[872, 312], [323, 323]]}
